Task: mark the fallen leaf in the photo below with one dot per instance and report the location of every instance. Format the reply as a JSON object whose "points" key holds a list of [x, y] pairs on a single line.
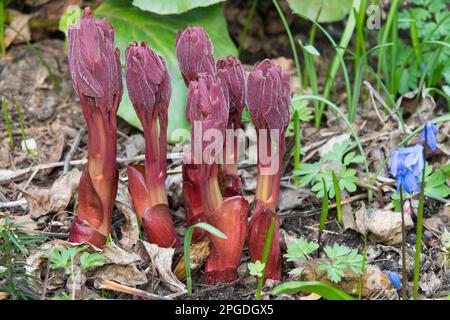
{"points": [[116, 255], [383, 226], [129, 228], [42, 201], [161, 259], [128, 275], [19, 23]]}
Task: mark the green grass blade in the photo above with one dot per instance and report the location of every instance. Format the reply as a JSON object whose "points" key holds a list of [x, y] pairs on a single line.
{"points": [[326, 291], [187, 247], [338, 195], [265, 257], [363, 268], [247, 24], [324, 213], [22, 126], [8, 121], [2, 27]]}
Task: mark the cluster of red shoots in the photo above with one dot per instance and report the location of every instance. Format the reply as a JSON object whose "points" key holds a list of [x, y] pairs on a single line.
{"points": [[217, 94]]}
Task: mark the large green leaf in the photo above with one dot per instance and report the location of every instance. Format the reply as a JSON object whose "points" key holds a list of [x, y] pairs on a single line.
{"points": [[172, 6], [326, 291], [132, 24], [331, 10]]}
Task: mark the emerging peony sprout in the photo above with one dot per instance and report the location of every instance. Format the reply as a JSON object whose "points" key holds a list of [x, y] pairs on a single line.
{"points": [[194, 53], [207, 105], [233, 79], [96, 74], [148, 83], [268, 103]]}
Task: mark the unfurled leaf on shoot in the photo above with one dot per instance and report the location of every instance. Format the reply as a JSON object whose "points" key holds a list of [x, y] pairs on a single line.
{"points": [[88, 260], [311, 49], [335, 270], [355, 261], [300, 249], [194, 53]]}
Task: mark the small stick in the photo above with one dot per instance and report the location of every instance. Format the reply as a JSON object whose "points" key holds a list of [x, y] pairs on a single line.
{"points": [[73, 147], [114, 286]]}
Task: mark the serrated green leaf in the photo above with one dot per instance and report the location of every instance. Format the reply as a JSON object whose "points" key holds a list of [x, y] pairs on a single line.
{"points": [[132, 24], [300, 249], [88, 261]]}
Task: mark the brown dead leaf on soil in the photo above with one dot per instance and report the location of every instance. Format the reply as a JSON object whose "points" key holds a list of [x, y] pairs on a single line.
{"points": [[42, 201]]}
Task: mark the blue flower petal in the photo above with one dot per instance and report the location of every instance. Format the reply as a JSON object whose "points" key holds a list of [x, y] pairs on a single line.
{"points": [[395, 279]]}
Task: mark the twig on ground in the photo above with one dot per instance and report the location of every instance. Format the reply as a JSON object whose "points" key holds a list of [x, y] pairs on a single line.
{"points": [[73, 147], [114, 286]]}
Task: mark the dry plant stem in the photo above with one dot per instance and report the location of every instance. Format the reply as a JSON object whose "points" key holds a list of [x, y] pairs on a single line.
{"points": [[404, 297], [114, 286]]}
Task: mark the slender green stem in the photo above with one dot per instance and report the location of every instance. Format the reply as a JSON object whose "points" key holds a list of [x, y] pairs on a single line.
{"points": [[338, 60], [248, 21], [386, 32], [8, 122], [324, 214], [2, 27], [22, 126], [297, 142], [363, 268], [404, 297], [419, 227], [265, 258], [337, 191]]}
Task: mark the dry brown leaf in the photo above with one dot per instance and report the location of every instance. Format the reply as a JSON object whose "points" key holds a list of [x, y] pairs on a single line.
{"points": [[42, 201], [161, 259], [116, 255], [128, 275], [129, 229]]}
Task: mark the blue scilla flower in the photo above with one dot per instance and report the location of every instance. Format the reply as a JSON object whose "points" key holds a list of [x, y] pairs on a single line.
{"points": [[406, 166], [395, 279], [429, 132]]}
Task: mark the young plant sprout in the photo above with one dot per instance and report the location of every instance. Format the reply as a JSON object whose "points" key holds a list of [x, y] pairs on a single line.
{"points": [[233, 79], [96, 74], [149, 88], [268, 102], [194, 52], [207, 105]]}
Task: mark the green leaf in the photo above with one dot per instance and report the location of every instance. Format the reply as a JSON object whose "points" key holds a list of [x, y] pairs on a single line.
{"points": [[70, 17], [335, 271], [311, 49], [300, 249], [88, 260], [132, 24], [330, 10], [257, 268], [172, 6], [326, 291], [355, 261]]}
